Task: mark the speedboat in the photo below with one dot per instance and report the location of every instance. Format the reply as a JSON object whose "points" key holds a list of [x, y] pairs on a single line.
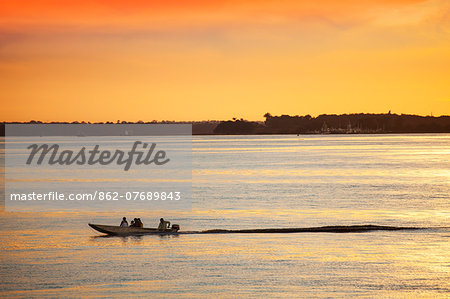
{"points": [[133, 231]]}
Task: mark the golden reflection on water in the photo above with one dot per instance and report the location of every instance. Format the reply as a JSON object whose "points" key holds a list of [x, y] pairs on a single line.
{"points": [[58, 255], [391, 263]]}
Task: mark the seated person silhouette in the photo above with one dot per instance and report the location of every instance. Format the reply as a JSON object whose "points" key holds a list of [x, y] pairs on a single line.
{"points": [[124, 222], [163, 225]]}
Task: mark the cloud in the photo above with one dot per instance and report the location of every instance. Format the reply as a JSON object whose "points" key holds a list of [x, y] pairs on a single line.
{"points": [[201, 20], [173, 12]]}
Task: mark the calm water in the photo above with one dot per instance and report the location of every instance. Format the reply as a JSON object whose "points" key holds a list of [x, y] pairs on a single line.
{"points": [[254, 182]]}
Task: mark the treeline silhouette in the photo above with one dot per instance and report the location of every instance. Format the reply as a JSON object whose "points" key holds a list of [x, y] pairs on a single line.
{"points": [[337, 124], [198, 127], [361, 123]]}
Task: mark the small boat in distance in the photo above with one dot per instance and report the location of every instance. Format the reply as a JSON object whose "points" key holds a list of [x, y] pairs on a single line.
{"points": [[133, 231]]}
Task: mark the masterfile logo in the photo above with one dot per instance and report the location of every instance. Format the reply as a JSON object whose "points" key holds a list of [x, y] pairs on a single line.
{"points": [[53, 167], [98, 157]]}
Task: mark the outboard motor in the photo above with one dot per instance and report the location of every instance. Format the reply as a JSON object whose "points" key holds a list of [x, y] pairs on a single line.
{"points": [[175, 227]]}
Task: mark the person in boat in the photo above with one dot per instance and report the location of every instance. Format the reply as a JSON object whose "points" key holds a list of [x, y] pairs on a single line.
{"points": [[139, 222], [163, 224], [132, 223], [124, 222]]}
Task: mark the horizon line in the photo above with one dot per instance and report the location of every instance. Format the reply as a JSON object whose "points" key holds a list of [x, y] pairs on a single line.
{"points": [[209, 120]]}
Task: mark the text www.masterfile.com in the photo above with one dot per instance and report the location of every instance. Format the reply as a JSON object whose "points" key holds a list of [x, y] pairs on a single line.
{"points": [[98, 195]]}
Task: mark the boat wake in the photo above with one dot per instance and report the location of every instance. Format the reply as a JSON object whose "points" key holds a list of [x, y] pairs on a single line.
{"points": [[134, 231], [321, 229]]}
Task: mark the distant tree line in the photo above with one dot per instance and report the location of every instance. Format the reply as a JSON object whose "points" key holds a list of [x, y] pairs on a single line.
{"points": [[198, 127], [285, 124], [338, 124]]}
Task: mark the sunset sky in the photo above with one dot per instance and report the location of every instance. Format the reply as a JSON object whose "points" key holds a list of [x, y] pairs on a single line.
{"points": [[102, 60]]}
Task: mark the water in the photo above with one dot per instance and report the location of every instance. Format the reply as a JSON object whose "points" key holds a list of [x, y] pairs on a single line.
{"points": [[256, 182]]}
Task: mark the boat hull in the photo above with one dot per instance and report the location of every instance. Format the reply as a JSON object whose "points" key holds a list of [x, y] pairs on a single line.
{"points": [[129, 231]]}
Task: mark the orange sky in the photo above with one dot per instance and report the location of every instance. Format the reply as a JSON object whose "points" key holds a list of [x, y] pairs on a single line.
{"points": [[196, 60]]}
